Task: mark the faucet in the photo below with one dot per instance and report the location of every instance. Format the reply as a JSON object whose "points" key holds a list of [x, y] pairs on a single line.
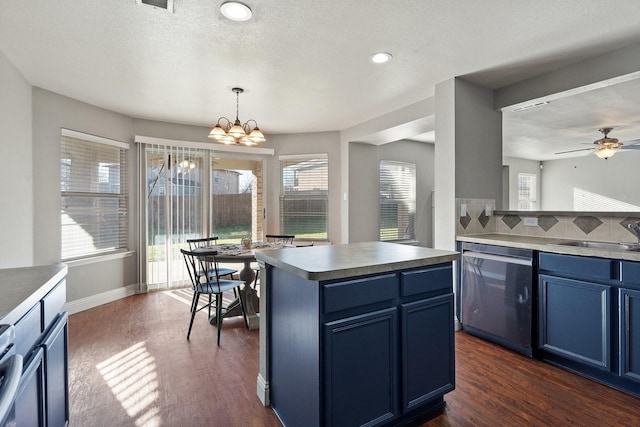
{"points": [[635, 227]]}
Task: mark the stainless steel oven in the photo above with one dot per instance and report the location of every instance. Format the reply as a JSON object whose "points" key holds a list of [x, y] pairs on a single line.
{"points": [[10, 374], [497, 295]]}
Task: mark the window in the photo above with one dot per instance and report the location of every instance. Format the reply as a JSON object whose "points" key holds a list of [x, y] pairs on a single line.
{"points": [[93, 184], [304, 196], [397, 200], [526, 192]]}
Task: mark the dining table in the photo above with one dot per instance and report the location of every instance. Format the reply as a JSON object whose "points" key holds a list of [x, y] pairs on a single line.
{"points": [[227, 253]]}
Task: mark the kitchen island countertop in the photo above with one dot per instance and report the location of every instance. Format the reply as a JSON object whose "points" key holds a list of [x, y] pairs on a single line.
{"points": [[355, 259]]}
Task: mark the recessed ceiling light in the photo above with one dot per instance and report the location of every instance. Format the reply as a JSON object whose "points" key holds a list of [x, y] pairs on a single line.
{"points": [[236, 11], [380, 57]]}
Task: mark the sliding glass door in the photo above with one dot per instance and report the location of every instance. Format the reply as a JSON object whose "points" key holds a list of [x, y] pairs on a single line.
{"points": [[190, 193], [176, 181], [236, 199]]}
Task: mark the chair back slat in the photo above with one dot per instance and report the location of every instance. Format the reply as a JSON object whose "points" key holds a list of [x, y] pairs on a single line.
{"points": [[200, 263], [203, 241], [285, 239]]}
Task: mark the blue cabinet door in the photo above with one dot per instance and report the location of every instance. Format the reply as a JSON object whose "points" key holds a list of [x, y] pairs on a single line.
{"points": [[427, 350], [55, 347], [630, 334], [575, 320], [361, 369], [29, 406]]}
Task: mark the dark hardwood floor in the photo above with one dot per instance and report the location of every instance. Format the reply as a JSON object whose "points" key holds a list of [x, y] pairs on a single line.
{"points": [[130, 364]]}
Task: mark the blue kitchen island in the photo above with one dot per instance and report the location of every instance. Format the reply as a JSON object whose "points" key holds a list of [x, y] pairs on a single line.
{"points": [[356, 334]]}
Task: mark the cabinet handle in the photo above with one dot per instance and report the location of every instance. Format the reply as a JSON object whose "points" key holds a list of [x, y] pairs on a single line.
{"points": [[11, 369]]}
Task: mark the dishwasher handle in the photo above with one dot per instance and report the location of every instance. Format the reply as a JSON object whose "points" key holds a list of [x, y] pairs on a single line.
{"points": [[10, 373], [499, 258]]}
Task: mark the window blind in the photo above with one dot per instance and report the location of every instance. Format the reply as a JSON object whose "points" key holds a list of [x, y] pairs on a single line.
{"points": [[304, 195], [397, 200], [94, 200]]}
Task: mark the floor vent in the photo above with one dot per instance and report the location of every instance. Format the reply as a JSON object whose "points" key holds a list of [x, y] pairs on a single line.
{"points": [[158, 4]]}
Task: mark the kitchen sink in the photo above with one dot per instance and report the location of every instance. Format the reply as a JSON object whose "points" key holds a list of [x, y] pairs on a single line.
{"points": [[607, 246]]}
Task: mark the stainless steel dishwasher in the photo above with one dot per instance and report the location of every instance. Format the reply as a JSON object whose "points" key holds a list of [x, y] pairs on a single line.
{"points": [[497, 295]]}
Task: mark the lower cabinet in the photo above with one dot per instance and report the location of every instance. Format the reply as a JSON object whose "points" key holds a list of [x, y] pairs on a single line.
{"points": [[29, 406], [43, 396], [589, 317], [575, 320], [427, 350], [361, 373], [379, 349], [630, 334], [55, 348]]}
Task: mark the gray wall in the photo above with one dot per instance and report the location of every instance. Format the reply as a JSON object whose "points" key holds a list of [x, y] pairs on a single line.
{"points": [[517, 166], [364, 161], [51, 112], [616, 178], [16, 214], [304, 143], [468, 152]]}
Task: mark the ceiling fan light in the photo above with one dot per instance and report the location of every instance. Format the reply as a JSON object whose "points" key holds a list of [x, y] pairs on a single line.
{"points": [[605, 153]]}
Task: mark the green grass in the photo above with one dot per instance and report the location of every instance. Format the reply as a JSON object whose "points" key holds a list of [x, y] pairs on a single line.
{"points": [[232, 233]]}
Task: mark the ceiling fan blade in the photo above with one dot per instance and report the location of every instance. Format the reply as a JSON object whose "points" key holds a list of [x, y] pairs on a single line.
{"points": [[630, 147], [632, 142], [581, 149]]}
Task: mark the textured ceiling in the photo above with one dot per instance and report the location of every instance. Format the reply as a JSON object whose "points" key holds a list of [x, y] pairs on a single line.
{"points": [[303, 64]]}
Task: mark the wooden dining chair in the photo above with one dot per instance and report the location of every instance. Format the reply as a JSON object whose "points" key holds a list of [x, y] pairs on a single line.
{"points": [[285, 239], [207, 284], [211, 241]]}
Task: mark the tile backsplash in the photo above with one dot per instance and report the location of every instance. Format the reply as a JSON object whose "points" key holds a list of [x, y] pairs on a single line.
{"points": [[475, 216], [605, 226]]}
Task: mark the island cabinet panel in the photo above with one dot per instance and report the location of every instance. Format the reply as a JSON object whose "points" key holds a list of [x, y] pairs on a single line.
{"points": [[575, 320], [370, 350], [361, 373], [295, 368], [427, 350], [630, 334]]}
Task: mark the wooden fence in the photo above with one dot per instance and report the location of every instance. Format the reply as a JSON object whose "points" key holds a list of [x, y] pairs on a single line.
{"points": [[229, 210]]}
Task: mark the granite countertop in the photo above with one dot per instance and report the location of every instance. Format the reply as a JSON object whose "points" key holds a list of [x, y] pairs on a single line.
{"points": [[546, 244], [22, 288], [353, 259]]}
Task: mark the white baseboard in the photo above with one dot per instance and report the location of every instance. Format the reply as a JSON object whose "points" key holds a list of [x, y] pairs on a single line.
{"points": [[263, 390], [95, 300]]}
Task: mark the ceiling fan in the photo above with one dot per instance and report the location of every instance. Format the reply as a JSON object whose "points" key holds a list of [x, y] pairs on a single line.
{"points": [[606, 147]]}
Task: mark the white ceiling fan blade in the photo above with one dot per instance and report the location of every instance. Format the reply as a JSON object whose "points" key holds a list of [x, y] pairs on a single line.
{"points": [[632, 142], [630, 147], [581, 149]]}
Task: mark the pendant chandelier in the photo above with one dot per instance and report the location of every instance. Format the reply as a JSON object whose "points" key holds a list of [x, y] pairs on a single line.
{"points": [[227, 133]]}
